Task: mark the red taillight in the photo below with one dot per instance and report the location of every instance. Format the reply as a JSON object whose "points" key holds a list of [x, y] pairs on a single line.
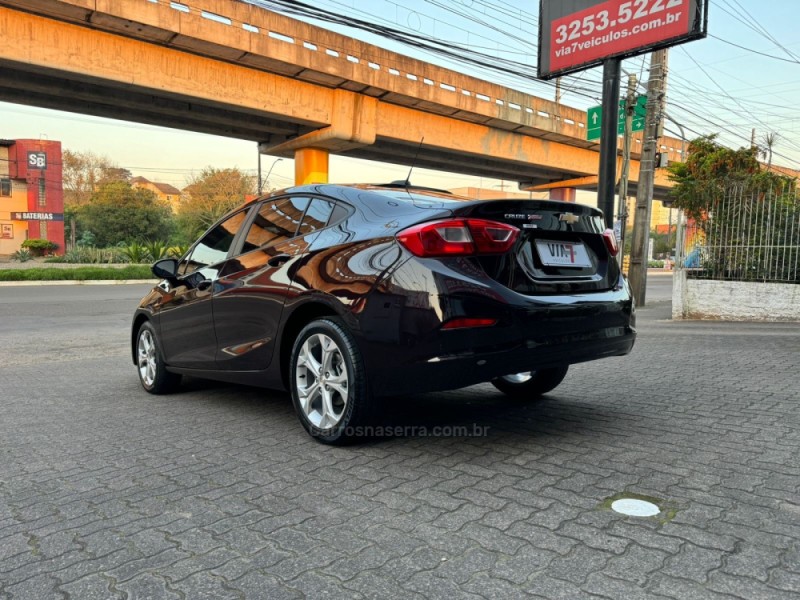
{"points": [[458, 237], [466, 323], [611, 242]]}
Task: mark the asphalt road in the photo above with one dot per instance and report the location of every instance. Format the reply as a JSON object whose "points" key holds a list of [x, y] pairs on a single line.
{"points": [[216, 491], [659, 287]]}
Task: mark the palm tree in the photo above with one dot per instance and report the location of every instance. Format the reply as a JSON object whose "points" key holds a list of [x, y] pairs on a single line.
{"points": [[768, 140]]}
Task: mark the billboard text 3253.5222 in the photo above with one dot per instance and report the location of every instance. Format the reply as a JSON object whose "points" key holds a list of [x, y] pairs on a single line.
{"points": [[577, 34]]}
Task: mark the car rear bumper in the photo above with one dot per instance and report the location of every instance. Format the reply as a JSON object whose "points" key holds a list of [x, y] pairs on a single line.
{"points": [[452, 371], [409, 352]]}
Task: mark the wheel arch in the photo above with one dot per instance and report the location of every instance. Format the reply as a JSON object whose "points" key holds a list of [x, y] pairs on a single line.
{"points": [[299, 318], [138, 321]]}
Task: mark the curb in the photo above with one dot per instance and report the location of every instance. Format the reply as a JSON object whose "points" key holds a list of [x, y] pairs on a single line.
{"points": [[77, 282]]}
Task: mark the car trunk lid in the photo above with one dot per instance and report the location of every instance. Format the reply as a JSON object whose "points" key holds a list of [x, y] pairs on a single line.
{"points": [[561, 247]]}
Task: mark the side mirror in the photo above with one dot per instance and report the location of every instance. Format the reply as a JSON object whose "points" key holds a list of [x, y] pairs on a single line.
{"points": [[166, 268]]}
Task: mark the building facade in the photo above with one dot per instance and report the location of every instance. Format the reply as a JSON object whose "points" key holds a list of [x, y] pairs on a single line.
{"points": [[31, 194], [165, 192]]}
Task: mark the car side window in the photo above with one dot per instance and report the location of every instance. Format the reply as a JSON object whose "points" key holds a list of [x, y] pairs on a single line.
{"points": [[275, 221], [213, 246], [316, 217], [339, 214]]}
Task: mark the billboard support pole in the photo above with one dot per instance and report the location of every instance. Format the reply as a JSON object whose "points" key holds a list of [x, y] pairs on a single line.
{"points": [[612, 69]]}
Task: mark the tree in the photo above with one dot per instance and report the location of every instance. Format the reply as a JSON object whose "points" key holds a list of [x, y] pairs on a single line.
{"points": [[709, 171], [118, 213], [84, 172], [210, 195], [736, 204], [769, 140]]}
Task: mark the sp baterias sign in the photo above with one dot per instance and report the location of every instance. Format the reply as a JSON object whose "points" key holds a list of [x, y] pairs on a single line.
{"points": [[36, 216], [578, 34]]}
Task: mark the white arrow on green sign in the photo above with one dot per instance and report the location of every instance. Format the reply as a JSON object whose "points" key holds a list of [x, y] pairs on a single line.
{"points": [[594, 118]]}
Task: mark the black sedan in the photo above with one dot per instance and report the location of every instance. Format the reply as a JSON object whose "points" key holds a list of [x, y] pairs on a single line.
{"points": [[346, 294]]}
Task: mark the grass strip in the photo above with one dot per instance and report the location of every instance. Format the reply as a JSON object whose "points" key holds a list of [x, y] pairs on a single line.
{"points": [[77, 274]]}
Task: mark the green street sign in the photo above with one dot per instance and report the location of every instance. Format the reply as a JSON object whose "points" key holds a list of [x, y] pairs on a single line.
{"points": [[594, 118]]}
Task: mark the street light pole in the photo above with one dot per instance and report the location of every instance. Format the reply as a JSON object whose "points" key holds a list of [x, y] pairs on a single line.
{"points": [[266, 179], [679, 224], [258, 148]]}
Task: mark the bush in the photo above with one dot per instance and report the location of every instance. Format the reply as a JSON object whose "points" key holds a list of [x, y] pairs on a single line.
{"points": [[157, 249], [136, 253], [118, 213], [91, 255], [178, 250], [87, 238], [79, 274], [39, 247], [22, 255]]}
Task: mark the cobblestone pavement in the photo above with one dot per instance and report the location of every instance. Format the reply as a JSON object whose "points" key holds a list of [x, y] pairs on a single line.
{"points": [[216, 492]]}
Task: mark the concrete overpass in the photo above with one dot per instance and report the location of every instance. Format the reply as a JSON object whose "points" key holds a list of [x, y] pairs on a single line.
{"points": [[233, 69]]}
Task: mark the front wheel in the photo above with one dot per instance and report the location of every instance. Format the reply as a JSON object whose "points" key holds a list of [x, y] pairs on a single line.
{"points": [[153, 373], [329, 383], [532, 384]]}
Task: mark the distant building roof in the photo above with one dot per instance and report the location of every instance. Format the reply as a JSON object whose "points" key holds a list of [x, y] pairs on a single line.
{"points": [[164, 188]]}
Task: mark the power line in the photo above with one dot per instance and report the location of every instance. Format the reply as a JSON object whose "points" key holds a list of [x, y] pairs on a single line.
{"points": [[761, 29], [724, 41]]}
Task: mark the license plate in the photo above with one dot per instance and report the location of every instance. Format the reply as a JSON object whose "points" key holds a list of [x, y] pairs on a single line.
{"points": [[563, 254]]}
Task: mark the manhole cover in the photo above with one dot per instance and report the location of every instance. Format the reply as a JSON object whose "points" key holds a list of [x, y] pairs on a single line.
{"points": [[635, 508]]}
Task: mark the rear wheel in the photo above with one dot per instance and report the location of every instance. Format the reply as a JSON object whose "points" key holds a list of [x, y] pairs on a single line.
{"points": [[153, 373], [530, 385], [328, 382]]}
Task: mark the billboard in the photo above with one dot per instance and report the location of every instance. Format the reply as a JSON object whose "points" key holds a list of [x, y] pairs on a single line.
{"points": [[578, 34]]}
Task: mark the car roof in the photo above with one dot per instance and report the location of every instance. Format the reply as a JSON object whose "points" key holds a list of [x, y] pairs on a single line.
{"points": [[422, 197]]}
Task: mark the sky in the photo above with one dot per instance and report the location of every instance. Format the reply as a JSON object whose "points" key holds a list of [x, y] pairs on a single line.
{"points": [[745, 75]]}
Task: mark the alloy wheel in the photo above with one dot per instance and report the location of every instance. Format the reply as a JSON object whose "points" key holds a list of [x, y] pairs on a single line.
{"points": [[321, 381], [518, 377], [146, 350]]}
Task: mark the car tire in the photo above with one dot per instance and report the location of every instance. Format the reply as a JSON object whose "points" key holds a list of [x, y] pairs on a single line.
{"points": [[531, 385], [328, 383], [150, 366]]}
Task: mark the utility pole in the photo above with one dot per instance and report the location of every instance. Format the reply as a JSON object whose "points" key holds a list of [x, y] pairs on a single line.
{"points": [[622, 208], [656, 90]]}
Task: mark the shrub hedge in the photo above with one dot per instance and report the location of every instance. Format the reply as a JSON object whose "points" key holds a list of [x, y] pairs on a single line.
{"points": [[78, 274]]}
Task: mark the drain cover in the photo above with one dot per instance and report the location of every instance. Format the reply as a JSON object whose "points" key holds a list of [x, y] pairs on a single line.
{"points": [[635, 508]]}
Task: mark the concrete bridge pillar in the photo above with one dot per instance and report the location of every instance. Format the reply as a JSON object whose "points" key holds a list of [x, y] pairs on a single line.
{"points": [[310, 166], [564, 194]]}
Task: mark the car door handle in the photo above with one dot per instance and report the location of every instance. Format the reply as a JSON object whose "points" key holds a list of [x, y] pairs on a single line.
{"points": [[277, 261]]}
